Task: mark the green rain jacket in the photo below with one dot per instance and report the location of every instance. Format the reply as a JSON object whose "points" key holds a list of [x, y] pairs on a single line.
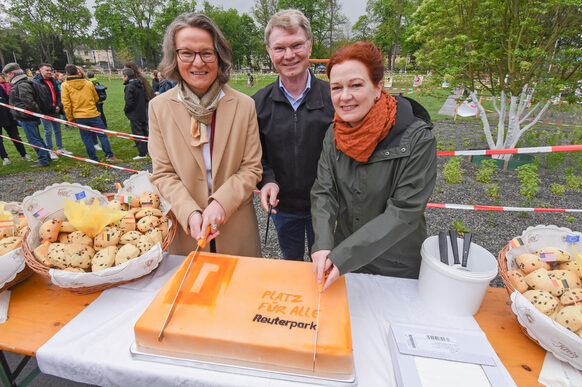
{"points": [[371, 215]]}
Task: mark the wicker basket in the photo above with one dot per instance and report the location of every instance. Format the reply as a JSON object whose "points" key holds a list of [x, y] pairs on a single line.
{"points": [[21, 276], [502, 269], [43, 270]]}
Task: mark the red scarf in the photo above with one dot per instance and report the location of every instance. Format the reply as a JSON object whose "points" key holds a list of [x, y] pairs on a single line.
{"points": [[359, 141]]}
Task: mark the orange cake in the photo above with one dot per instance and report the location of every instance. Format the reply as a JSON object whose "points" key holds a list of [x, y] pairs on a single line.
{"points": [[255, 310]]}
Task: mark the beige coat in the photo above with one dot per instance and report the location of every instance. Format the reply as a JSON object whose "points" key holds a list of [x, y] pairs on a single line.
{"points": [[180, 173]]}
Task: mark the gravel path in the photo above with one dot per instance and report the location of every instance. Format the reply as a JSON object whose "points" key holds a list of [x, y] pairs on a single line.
{"points": [[492, 230]]}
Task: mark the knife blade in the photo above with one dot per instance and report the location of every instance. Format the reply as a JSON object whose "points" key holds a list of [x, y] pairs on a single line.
{"points": [[319, 291], [453, 234], [201, 244], [443, 249], [466, 246], [268, 218]]}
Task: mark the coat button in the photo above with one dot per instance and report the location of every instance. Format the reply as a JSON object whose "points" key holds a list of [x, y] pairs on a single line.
{"points": [[387, 153], [403, 149]]}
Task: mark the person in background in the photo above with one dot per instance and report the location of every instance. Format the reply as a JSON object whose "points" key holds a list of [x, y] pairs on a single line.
{"points": [[79, 98], [251, 80], [294, 113], [45, 78], [155, 82], [204, 142], [22, 95], [139, 75], [8, 123], [91, 77], [165, 84], [376, 173], [135, 110]]}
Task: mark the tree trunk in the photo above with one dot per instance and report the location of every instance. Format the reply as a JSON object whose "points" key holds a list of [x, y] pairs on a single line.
{"points": [[508, 136]]}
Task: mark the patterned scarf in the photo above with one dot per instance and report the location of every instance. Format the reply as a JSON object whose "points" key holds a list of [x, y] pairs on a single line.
{"points": [[200, 109], [359, 141]]}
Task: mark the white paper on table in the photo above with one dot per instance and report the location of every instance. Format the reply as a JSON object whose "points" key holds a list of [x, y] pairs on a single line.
{"points": [[556, 373], [4, 302], [439, 373]]}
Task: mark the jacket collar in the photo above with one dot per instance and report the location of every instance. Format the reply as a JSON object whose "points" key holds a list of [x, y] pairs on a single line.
{"points": [[18, 78], [313, 100]]}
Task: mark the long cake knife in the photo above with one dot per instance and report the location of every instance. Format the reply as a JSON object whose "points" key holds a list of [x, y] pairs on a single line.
{"points": [[319, 291], [201, 243]]}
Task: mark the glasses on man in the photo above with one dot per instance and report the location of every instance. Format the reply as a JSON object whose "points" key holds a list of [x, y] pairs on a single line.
{"points": [[189, 56], [295, 48]]}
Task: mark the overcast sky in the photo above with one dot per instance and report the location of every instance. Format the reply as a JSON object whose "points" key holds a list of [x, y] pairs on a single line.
{"points": [[353, 9]]}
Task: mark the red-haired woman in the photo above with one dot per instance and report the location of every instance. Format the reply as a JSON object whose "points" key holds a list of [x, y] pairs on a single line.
{"points": [[375, 174]]}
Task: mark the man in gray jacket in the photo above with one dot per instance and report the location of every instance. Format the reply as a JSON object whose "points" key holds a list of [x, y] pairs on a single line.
{"points": [[294, 113], [22, 95]]}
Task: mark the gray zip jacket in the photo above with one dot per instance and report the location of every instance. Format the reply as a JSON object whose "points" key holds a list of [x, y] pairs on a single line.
{"points": [[371, 215]]}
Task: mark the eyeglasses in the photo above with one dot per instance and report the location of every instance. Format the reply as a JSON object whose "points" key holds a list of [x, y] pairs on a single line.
{"points": [[189, 56], [295, 48]]}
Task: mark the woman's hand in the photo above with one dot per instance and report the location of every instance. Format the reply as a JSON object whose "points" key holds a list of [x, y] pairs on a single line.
{"points": [[321, 265], [269, 194], [212, 216]]}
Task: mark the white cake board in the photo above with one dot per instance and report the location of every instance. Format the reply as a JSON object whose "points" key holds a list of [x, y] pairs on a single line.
{"points": [[249, 368]]}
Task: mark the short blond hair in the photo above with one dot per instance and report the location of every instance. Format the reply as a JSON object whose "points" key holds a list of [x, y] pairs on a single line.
{"points": [[169, 65], [290, 20]]}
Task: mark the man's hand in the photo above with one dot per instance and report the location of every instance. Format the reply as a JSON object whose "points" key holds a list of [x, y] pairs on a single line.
{"points": [[269, 194]]}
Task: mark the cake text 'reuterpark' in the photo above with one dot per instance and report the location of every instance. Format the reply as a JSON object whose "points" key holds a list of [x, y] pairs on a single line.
{"points": [[291, 324]]}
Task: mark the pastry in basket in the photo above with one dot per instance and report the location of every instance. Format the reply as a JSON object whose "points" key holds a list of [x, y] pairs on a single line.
{"points": [[126, 253], [63, 237], [104, 258], [540, 280], [78, 256], [570, 265], [148, 212], [528, 262], [131, 237], [132, 201], [155, 235], [567, 278], [162, 225], [147, 222], [6, 228], [127, 223], [144, 244], [117, 205], [9, 244], [149, 199], [79, 237], [570, 317], [517, 279], [50, 229], [552, 254], [22, 232], [571, 296], [41, 253], [108, 237], [542, 300], [67, 227]]}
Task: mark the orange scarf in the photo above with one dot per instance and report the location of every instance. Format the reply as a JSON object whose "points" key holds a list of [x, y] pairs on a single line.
{"points": [[359, 141]]}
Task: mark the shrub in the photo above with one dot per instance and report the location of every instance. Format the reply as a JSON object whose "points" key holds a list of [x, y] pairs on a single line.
{"points": [[452, 171]]}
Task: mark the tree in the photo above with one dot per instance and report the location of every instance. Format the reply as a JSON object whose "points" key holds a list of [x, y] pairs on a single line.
{"points": [[387, 24], [262, 11], [512, 48]]}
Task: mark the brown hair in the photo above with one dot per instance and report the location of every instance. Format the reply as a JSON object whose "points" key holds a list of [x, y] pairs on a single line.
{"points": [[169, 65], [290, 20], [364, 52]]}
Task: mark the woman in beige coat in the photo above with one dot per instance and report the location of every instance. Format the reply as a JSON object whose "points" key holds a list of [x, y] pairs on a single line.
{"points": [[204, 142]]}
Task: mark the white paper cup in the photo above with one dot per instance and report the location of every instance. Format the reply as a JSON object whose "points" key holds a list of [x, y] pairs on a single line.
{"points": [[452, 290]]}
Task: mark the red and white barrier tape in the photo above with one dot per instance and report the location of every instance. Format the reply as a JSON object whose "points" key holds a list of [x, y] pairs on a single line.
{"points": [[80, 126], [511, 151], [73, 157], [498, 208]]}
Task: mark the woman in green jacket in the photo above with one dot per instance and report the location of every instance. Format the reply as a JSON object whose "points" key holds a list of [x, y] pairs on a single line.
{"points": [[376, 172]]}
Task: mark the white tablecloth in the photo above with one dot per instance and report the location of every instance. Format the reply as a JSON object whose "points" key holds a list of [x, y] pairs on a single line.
{"points": [[94, 347]]}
